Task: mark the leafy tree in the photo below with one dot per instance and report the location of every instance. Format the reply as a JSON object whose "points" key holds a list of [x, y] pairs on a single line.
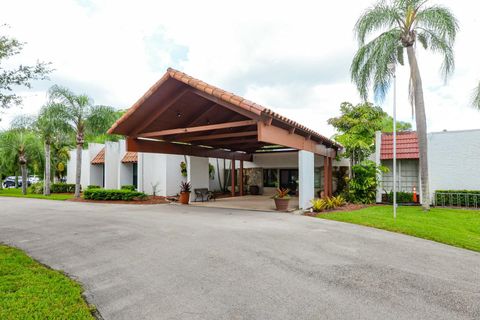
{"points": [[401, 24], [363, 187], [51, 124], [19, 76], [356, 129], [84, 118], [20, 145]]}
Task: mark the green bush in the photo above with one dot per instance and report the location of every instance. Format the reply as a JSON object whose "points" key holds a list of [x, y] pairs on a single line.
{"points": [[63, 188], [362, 188], [130, 187], [93, 186], [319, 205], [457, 198], [402, 197], [36, 188], [112, 194]]}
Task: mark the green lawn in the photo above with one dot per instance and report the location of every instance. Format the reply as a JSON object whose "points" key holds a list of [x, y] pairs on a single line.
{"points": [[12, 192], [456, 227], [29, 290]]}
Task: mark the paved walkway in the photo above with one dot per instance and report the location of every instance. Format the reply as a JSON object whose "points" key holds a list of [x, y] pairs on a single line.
{"points": [[258, 203], [179, 262]]}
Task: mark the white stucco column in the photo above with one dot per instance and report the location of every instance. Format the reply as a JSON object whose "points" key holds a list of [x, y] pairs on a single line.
{"points": [[378, 146], [306, 172], [197, 174]]}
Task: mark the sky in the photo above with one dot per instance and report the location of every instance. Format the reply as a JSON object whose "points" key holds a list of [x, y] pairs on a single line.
{"points": [[291, 56]]}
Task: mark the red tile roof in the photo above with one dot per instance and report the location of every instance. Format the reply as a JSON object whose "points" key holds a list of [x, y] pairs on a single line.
{"points": [[407, 146], [130, 157], [99, 158]]}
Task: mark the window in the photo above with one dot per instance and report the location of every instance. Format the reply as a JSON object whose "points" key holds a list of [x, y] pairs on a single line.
{"points": [[318, 178], [270, 177]]}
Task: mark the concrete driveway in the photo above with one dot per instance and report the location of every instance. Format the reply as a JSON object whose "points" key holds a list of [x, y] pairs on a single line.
{"points": [[177, 262]]}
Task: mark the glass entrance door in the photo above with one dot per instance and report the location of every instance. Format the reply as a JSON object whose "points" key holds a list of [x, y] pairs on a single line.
{"points": [[289, 179]]}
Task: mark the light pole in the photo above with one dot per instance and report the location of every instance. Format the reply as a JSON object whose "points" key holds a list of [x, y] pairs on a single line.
{"points": [[391, 67]]}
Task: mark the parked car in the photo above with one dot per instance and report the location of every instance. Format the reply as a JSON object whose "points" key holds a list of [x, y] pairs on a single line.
{"points": [[9, 182]]}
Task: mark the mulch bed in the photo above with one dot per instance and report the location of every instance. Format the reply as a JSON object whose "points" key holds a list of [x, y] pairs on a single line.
{"points": [[347, 207], [148, 200]]}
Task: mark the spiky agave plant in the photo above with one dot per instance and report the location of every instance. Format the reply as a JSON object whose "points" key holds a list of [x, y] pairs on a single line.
{"points": [[398, 26]]}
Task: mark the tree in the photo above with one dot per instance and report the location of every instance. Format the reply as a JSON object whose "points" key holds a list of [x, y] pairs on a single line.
{"points": [[356, 129], [50, 124], [84, 118], [402, 24], [19, 145], [476, 97], [20, 76]]}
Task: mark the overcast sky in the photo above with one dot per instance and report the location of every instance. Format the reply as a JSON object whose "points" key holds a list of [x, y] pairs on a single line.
{"points": [[291, 56]]}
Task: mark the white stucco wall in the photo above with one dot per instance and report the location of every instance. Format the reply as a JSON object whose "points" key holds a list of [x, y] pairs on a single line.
{"points": [[112, 162], [91, 174], [125, 170], [214, 184], [197, 174], [173, 174], [305, 177], [453, 160], [151, 172]]}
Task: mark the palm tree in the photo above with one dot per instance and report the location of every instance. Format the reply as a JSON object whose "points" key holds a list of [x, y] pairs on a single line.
{"points": [[84, 118], [402, 25], [476, 97], [51, 123], [20, 145]]}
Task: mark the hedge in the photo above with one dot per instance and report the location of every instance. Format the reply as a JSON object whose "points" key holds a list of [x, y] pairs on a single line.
{"points": [[458, 198], [62, 188], [402, 197], [112, 194], [93, 186], [130, 187]]}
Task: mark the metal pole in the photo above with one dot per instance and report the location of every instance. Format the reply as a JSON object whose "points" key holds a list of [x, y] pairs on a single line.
{"points": [[394, 144]]}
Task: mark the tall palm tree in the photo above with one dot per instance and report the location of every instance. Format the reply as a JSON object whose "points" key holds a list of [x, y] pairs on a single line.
{"points": [[401, 25], [51, 123], [20, 145], [84, 118], [476, 97]]}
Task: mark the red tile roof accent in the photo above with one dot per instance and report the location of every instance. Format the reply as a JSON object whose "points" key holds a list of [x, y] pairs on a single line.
{"points": [[407, 146], [130, 157], [99, 158]]}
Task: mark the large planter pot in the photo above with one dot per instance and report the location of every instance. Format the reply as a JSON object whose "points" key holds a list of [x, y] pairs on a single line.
{"points": [[184, 197], [281, 204]]}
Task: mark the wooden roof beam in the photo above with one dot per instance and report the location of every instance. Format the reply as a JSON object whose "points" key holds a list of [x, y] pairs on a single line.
{"points": [[220, 136], [210, 127], [150, 146]]}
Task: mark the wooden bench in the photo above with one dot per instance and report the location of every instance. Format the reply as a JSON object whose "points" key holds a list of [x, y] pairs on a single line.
{"points": [[204, 194]]}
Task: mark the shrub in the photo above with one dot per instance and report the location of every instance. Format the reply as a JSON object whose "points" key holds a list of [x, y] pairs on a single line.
{"points": [[319, 205], [282, 193], [402, 197], [36, 188], [362, 188], [130, 187], [185, 187], [457, 198], [93, 186], [63, 187], [113, 194]]}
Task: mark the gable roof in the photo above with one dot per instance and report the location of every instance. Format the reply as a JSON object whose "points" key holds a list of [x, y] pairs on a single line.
{"points": [[249, 107], [407, 146], [100, 157], [130, 157]]}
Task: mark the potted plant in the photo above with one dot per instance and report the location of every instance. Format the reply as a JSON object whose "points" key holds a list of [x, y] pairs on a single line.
{"points": [[281, 198], [185, 188]]}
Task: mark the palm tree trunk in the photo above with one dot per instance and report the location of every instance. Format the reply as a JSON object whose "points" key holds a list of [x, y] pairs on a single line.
{"points": [[46, 182], [23, 167], [78, 172], [421, 123]]}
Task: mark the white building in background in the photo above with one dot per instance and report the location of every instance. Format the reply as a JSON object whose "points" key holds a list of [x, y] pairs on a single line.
{"points": [[110, 166], [453, 160]]}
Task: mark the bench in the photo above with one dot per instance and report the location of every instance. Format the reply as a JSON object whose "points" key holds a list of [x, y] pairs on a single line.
{"points": [[204, 194]]}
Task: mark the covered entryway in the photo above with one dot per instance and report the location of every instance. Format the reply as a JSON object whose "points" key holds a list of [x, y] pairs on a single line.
{"points": [[185, 116]]}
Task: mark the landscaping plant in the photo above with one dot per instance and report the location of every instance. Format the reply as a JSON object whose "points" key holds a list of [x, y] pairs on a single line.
{"points": [[362, 188], [281, 198], [113, 194], [130, 187], [327, 203]]}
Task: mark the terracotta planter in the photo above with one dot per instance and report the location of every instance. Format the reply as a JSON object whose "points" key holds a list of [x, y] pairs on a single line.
{"points": [[184, 197], [281, 204]]}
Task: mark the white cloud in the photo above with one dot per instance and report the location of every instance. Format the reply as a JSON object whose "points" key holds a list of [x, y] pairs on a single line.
{"points": [[292, 56]]}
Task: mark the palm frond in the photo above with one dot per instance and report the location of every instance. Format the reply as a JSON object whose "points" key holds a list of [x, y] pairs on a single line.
{"points": [[370, 64], [380, 16], [438, 45], [439, 21], [476, 97]]}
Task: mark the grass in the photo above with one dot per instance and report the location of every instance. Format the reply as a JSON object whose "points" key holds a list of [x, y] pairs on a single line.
{"points": [[17, 192], [29, 290], [456, 227]]}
